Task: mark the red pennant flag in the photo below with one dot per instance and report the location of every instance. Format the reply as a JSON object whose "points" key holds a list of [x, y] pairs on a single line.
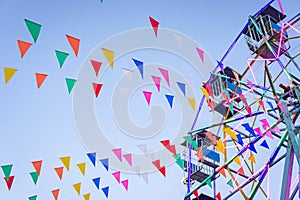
{"points": [[40, 78], [96, 65], [156, 163], [222, 171], [23, 47], [55, 193], [9, 181], [196, 194], [59, 172], [241, 171], [218, 196], [97, 87], [37, 166], [172, 149], [165, 142], [163, 170], [74, 42], [154, 25]]}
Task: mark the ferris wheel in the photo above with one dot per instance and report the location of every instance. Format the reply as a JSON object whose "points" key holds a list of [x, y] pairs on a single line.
{"points": [[253, 151]]}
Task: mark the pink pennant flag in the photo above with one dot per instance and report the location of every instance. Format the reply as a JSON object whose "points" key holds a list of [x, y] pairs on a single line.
{"points": [[200, 53], [258, 131], [261, 103], [250, 84], [269, 134], [96, 65], [265, 124], [276, 129], [117, 176], [128, 158], [157, 81], [118, 153], [165, 74], [147, 96], [125, 184]]}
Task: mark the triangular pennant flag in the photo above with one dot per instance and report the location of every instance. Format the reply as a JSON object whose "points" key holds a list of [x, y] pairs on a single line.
{"points": [[61, 57], [110, 56], [258, 131], [211, 105], [32, 197], [70, 84], [208, 182], [156, 163], [59, 171], [33, 28], [117, 176], [92, 157], [210, 136], [97, 182], [34, 177], [6, 170], [162, 170], [265, 124], [9, 181], [66, 161], [204, 91], [97, 87], [154, 25], [157, 82], [249, 129], [196, 194], [74, 42], [128, 158], [252, 147], [8, 73], [220, 146], [118, 153], [140, 66], [147, 96], [40, 78], [276, 129], [179, 161], [165, 143], [55, 193], [237, 160], [143, 148], [222, 171], [182, 87], [230, 183], [240, 140], [81, 167], [261, 103], [105, 163], [105, 191], [165, 74], [192, 103], [200, 53], [218, 196], [265, 144], [145, 177], [87, 196], [170, 99], [125, 184], [23, 47], [231, 133], [37, 166], [269, 134], [77, 188], [271, 106], [209, 89], [199, 154], [96, 65], [241, 171], [251, 158], [172, 149]]}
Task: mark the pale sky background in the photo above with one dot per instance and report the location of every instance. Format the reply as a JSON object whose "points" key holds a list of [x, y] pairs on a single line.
{"points": [[39, 124]]}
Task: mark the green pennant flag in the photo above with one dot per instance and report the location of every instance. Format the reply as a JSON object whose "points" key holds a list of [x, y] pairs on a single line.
{"points": [[34, 176], [194, 144], [32, 197], [179, 161], [61, 57], [230, 183], [70, 84], [33, 28], [7, 170], [188, 139], [208, 182]]}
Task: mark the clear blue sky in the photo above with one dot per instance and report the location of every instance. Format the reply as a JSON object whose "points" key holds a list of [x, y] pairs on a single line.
{"points": [[39, 124]]}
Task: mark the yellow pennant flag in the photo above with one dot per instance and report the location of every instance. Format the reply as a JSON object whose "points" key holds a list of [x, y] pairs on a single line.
{"points": [[81, 167], [203, 90], [110, 56], [77, 187], [66, 162], [237, 160], [252, 159], [192, 103], [220, 146], [230, 133], [8, 73], [87, 196]]}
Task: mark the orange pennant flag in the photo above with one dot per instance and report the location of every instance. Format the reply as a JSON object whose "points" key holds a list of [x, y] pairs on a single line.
{"points": [[37, 166], [59, 172], [74, 42], [55, 193], [199, 154], [222, 171], [252, 159], [23, 47], [237, 160], [40, 78]]}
